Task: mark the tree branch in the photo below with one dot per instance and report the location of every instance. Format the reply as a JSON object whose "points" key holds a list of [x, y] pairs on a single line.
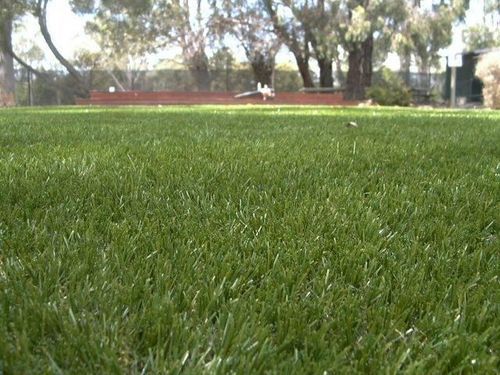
{"points": [[41, 13], [115, 79], [7, 46]]}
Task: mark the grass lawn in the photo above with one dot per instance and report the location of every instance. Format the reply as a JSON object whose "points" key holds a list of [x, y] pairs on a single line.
{"points": [[249, 240]]}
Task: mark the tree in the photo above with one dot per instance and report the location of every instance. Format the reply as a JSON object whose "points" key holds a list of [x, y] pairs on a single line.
{"points": [[250, 25], [319, 20], [294, 36], [125, 36], [361, 24], [487, 34], [146, 26], [186, 24], [481, 37], [358, 41], [10, 11], [7, 78], [13, 10], [41, 14], [312, 21], [424, 32]]}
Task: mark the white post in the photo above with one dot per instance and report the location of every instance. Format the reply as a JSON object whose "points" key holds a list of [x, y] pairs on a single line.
{"points": [[455, 55], [453, 87]]}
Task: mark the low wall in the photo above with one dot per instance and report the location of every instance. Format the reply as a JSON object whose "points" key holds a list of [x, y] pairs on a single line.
{"points": [[7, 100], [187, 98]]}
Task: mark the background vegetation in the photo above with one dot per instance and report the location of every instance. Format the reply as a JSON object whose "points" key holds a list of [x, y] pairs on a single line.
{"points": [[347, 40]]}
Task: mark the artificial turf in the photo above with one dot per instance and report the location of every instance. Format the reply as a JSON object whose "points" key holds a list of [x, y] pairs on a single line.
{"points": [[249, 240]]}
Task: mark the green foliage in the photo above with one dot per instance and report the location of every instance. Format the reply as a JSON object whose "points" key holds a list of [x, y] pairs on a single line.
{"points": [[390, 90], [125, 37], [248, 240], [481, 37], [492, 6], [423, 33]]}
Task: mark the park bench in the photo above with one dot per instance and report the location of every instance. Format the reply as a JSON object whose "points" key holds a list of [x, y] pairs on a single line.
{"points": [[322, 90]]}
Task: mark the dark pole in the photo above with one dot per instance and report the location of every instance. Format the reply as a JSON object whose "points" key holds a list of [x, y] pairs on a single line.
{"points": [[227, 74], [30, 93]]}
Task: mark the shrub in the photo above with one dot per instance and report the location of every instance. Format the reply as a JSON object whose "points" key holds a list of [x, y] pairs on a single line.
{"points": [[391, 90], [488, 71]]}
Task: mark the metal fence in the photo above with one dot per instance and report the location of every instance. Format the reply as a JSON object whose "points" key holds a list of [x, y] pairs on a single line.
{"points": [[57, 88]]}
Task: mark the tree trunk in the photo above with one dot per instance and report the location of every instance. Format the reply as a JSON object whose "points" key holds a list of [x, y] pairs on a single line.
{"points": [[359, 76], [367, 48], [325, 72], [262, 69], [340, 73], [360, 73], [7, 58], [303, 65], [198, 68], [405, 62], [354, 89], [116, 80], [7, 78], [42, 22], [130, 80], [299, 48], [324, 62]]}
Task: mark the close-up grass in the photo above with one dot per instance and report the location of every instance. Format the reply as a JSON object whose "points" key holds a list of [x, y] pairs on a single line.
{"points": [[249, 240]]}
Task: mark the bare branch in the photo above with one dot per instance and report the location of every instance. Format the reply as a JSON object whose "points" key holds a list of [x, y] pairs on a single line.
{"points": [[41, 13]]}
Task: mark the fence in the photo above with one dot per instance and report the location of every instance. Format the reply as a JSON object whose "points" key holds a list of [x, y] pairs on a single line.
{"points": [[57, 88]]}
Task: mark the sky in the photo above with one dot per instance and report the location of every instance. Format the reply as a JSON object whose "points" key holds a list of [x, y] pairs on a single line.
{"points": [[68, 33]]}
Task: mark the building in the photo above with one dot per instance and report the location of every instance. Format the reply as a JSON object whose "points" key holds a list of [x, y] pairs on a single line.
{"points": [[469, 87]]}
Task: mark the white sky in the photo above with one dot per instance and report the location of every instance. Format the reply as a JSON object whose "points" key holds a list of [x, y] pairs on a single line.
{"points": [[68, 33]]}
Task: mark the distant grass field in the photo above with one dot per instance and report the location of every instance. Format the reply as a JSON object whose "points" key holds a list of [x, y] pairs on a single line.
{"points": [[249, 240]]}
